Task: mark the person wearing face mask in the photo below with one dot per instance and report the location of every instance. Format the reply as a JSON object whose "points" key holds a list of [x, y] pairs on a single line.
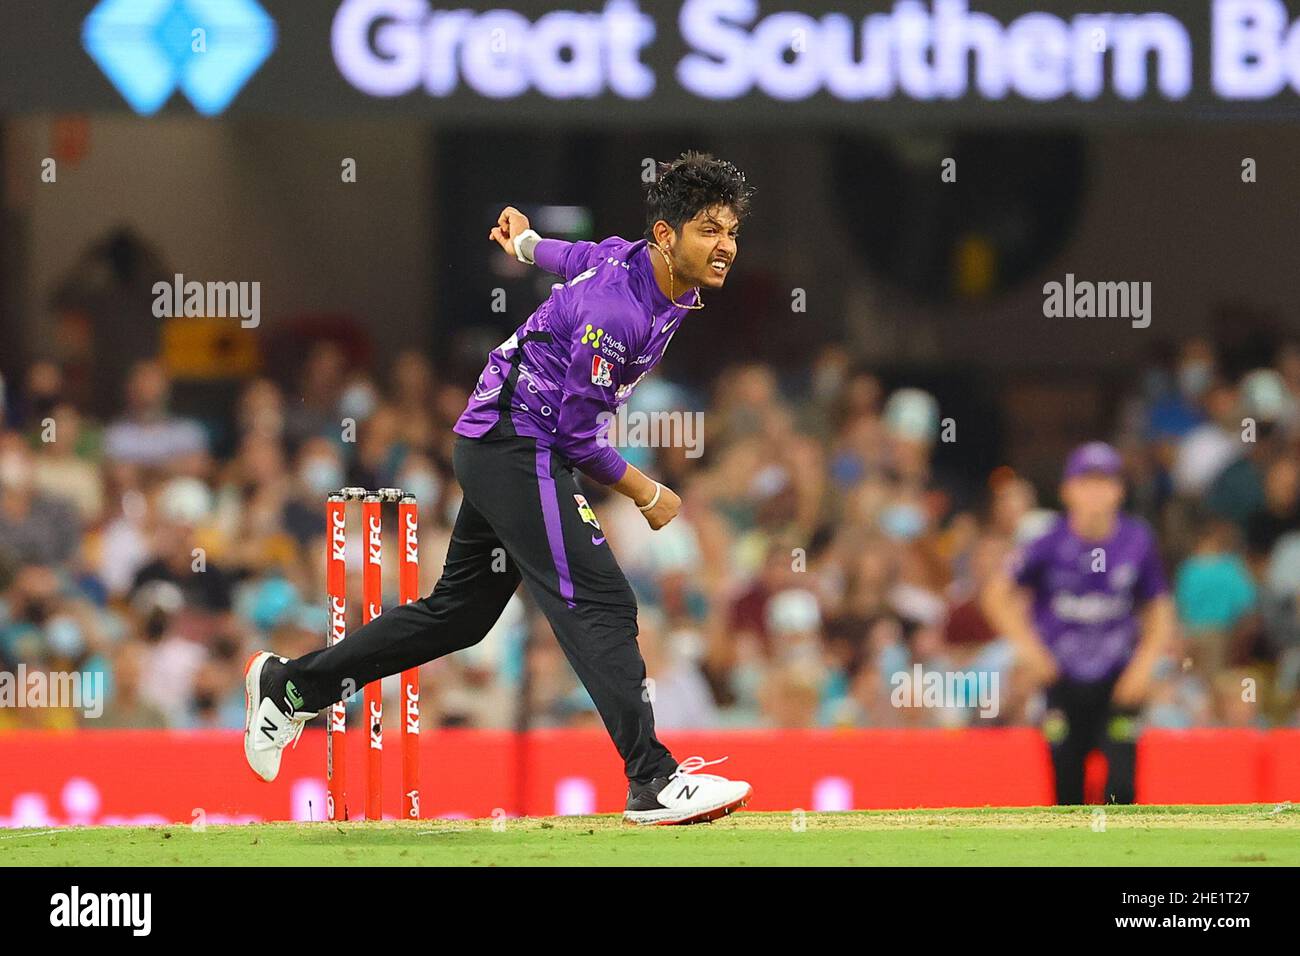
{"points": [[1088, 610], [1180, 410], [319, 471], [540, 412], [420, 478]]}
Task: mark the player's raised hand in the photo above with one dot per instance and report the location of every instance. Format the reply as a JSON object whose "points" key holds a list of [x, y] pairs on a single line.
{"points": [[510, 224]]}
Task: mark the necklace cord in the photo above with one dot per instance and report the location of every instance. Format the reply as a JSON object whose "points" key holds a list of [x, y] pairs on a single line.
{"points": [[672, 295]]}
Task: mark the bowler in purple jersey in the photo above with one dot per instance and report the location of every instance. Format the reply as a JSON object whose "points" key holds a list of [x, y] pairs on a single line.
{"points": [[584, 350], [1088, 609], [537, 413]]}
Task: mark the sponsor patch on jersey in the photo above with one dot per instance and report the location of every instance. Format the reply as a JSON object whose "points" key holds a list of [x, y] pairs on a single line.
{"points": [[585, 511], [602, 371]]}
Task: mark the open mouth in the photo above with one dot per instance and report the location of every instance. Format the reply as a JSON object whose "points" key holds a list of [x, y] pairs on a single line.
{"points": [[719, 266]]}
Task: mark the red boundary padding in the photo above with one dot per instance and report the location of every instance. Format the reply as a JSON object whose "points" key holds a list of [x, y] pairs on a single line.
{"points": [[95, 777]]}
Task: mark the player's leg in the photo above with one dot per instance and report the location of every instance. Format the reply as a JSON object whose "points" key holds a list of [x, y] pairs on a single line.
{"points": [[477, 581], [1066, 727], [1118, 742], [575, 580], [538, 509]]}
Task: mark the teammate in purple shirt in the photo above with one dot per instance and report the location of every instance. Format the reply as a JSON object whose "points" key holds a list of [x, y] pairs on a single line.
{"points": [[1088, 609], [536, 414]]}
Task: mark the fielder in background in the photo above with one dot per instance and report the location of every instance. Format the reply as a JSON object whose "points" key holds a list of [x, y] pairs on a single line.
{"points": [[1088, 609], [540, 410]]}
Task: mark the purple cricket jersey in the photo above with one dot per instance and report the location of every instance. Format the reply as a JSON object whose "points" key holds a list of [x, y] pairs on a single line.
{"points": [[1088, 619], [580, 354]]}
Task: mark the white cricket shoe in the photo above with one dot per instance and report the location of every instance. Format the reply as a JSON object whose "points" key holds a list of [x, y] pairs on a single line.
{"points": [[272, 719], [686, 796]]}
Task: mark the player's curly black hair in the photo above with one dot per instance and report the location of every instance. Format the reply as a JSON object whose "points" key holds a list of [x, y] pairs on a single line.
{"points": [[693, 182]]}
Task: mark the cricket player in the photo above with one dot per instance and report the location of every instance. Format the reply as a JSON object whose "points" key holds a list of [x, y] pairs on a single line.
{"points": [[534, 417], [1089, 611]]}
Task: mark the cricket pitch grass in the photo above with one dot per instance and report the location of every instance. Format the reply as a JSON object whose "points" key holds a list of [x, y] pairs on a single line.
{"points": [[1251, 835]]}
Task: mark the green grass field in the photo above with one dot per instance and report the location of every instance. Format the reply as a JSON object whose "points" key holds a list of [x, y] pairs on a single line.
{"points": [[1262, 835]]}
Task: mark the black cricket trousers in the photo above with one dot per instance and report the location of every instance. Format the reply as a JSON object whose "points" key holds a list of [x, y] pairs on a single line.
{"points": [[519, 498], [1081, 718]]}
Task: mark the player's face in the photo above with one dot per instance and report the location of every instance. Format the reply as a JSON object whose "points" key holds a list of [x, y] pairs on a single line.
{"points": [[706, 250], [1093, 496]]}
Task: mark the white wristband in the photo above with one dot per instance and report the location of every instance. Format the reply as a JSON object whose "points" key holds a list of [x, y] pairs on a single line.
{"points": [[529, 238], [659, 490]]}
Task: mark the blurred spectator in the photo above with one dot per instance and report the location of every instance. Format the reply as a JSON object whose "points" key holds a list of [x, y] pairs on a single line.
{"points": [[790, 694], [1211, 446], [1213, 592], [125, 708], [820, 553], [147, 434], [680, 694], [35, 528], [203, 585], [1281, 512], [173, 654], [1280, 608], [1175, 412], [1238, 492], [318, 470], [261, 411], [969, 639], [65, 471], [105, 306], [316, 410], [42, 391]]}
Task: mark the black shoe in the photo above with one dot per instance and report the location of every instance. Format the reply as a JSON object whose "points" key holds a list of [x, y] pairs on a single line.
{"points": [[685, 796], [645, 796]]}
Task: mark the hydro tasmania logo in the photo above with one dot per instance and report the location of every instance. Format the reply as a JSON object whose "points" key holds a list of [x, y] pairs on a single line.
{"points": [[208, 48]]}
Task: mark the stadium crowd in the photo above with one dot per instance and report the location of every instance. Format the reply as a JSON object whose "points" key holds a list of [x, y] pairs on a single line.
{"points": [[818, 557]]}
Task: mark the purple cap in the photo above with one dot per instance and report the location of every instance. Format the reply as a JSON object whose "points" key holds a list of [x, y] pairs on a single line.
{"points": [[1094, 458]]}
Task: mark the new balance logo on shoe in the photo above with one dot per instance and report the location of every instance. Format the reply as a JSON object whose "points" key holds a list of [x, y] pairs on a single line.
{"points": [[686, 796], [268, 728]]}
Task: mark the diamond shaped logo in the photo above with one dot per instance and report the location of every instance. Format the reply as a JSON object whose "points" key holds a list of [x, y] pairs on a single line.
{"points": [[207, 48]]}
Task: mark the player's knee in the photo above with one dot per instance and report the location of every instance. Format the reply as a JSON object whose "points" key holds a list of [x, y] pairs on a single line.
{"points": [[614, 615], [624, 609]]}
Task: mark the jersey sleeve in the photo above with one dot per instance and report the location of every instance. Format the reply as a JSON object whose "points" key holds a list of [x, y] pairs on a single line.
{"points": [[596, 372], [1026, 565], [566, 259]]}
